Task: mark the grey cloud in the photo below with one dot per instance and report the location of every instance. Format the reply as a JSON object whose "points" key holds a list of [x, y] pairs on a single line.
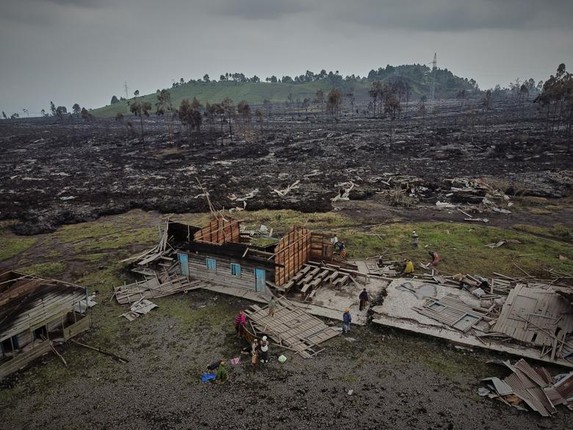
{"points": [[45, 12], [259, 9], [455, 15], [78, 3]]}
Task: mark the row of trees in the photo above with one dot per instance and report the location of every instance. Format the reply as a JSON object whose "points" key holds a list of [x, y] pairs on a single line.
{"points": [[386, 98], [556, 98], [60, 112], [190, 112], [445, 80]]}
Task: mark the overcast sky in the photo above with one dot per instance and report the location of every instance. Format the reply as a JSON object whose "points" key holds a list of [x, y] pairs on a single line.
{"points": [[82, 51]]}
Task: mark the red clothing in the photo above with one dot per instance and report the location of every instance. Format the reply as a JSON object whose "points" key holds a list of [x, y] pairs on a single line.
{"points": [[240, 320]]}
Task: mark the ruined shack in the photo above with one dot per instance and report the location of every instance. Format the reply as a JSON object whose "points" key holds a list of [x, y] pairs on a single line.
{"points": [[34, 313], [221, 254]]}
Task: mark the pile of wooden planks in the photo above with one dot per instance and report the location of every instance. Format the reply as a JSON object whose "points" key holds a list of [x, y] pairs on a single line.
{"points": [[291, 327], [161, 285], [312, 277]]}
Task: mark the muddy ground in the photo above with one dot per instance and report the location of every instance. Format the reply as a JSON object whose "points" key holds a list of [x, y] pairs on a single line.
{"points": [[370, 379], [54, 173]]}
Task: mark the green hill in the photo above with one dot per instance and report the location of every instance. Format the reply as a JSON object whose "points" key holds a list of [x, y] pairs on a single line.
{"points": [[419, 79]]}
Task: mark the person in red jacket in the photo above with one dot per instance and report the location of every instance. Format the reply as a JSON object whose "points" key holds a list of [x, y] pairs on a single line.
{"points": [[240, 323]]}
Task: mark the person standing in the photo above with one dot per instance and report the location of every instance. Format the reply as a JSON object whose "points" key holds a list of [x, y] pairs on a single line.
{"points": [[264, 350], [240, 323], [272, 307], [415, 239], [255, 349], [363, 297], [255, 345], [346, 320]]}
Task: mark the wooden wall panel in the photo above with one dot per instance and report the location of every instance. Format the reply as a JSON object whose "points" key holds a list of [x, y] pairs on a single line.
{"points": [[219, 231], [23, 359], [322, 248], [292, 251], [222, 275]]}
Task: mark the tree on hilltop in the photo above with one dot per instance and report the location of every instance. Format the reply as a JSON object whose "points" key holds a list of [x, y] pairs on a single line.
{"points": [[87, 116]]}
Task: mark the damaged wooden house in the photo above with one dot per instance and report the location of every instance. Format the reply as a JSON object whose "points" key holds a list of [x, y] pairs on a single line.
{"points": [[34, 313], [222, 258]]}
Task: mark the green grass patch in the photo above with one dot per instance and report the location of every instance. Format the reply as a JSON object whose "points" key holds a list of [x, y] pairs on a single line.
{"points": [[13, 245], [104, 280], [282, 220], [105, 235], [558, 231], [463, 249], [46, 270]]}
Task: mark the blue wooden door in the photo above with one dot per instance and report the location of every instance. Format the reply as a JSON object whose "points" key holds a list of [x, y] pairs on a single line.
{"points": [[184, 263], [260, 280]]}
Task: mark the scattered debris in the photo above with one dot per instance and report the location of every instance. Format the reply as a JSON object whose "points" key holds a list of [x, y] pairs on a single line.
{"points": [[141, 307], [284, 192], [496, 245], [484, 220], [531, 386], [344, 190]]}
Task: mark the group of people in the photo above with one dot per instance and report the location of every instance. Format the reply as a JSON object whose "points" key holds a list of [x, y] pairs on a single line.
{"points": [[347, 316], [408, 265], [259, 352]]}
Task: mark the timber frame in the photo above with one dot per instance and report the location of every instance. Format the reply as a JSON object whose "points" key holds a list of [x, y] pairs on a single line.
{"points": [[219, 252]]}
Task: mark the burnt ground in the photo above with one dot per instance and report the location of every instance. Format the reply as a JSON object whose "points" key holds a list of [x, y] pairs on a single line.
{"points": [[56, 173], [52, 174], [370, 379]]}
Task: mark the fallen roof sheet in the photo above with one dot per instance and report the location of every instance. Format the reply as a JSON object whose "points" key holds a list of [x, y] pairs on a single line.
{"points": [[531, 386], [399, 311], [537, 316]]}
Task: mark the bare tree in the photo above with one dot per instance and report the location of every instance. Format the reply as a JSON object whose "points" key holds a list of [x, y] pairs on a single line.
{"points": [[189, 116], [376, 92], [333, 102], [140, 108], [164, 107]]}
